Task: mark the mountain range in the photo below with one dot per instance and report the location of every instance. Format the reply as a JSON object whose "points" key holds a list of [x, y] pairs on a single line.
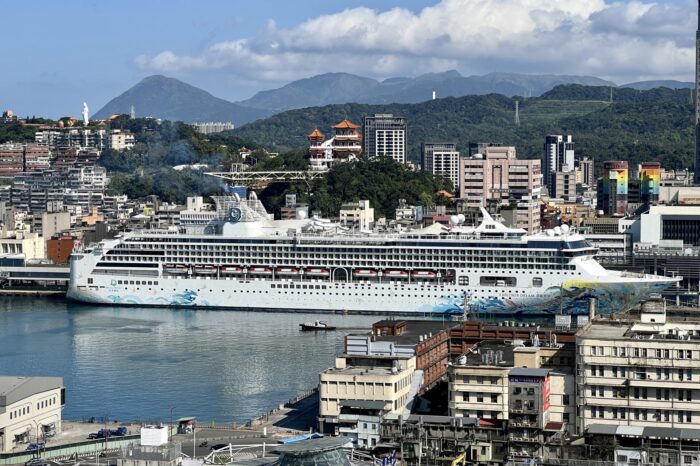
{"points": [[169, 98]]}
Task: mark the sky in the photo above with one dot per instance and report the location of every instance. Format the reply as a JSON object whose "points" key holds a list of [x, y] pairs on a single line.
{"points": [[55, 55]]}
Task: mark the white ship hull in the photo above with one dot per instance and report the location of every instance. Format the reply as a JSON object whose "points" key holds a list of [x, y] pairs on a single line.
{"points": [[404, 298]]}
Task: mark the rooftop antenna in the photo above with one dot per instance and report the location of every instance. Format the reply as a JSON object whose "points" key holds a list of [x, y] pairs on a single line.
{"points": [[517, 113]]}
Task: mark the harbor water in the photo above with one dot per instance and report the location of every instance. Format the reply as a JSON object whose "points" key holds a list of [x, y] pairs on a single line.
{"points": [[134, 364]]}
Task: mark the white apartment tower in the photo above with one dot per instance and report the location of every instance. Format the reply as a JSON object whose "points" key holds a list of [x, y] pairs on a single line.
{"points": [[442, 158], [385, 136]]}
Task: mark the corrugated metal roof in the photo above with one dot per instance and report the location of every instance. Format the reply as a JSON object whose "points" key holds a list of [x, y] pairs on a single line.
{"points": [[362, 404], [526, 372], [662, 432], [630, 431], [605, 429]]}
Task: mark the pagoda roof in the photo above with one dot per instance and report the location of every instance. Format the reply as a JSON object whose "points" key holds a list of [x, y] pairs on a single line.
{"points": [[346, 124], [316, 134]]}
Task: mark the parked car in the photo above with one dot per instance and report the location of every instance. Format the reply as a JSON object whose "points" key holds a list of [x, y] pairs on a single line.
{"points": [[119, 431], [102, 433], [35, 446]]}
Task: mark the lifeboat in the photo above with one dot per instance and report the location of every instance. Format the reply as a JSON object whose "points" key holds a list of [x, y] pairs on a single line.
{"points": [[175, 269], [204, 269], [287, 271], [364, 273], [260, 270], [232, 270], [396, 273], [317, 272], [423, 274]]}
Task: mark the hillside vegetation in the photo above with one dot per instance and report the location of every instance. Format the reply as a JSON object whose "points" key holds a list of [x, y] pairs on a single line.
{"points": [[638, 126]]}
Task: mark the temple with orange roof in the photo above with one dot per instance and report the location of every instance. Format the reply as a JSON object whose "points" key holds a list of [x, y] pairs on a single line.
{"points": [[344, 145]]}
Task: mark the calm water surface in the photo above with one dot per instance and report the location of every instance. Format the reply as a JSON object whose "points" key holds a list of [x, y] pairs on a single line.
{"points": [[135, 363]]}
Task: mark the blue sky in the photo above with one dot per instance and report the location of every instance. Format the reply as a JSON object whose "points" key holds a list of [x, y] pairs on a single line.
{"points": [[57, 54]]}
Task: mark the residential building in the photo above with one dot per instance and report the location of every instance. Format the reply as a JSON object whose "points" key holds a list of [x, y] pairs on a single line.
{"points": [[640, 372], [345, 145], [613, 188], [563, 186], [121, 140], [36, 158], [442, 158], [11, 159], [357, 215], [497, 177], [558, 157], [213, 127], [49, 224], [59, 249], [373, 384], [385, 136], [30, 410], [584, 173]]}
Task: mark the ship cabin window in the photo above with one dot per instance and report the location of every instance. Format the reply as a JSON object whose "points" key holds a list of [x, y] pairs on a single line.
{"points": [[464, 281], [536, 281], [498, 281]]}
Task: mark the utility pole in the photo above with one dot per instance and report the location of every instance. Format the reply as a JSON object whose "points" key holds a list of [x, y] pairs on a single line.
{"points": [[170, 428]]}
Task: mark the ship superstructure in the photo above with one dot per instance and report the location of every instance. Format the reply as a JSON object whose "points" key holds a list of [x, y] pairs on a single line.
{"points": [[241, 258]]}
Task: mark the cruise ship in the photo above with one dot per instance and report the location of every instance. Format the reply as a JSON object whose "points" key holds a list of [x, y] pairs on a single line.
{"points": [[239, 257]]}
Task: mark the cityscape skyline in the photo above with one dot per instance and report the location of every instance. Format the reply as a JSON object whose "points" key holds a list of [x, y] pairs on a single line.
{"points": [[234, 52]]}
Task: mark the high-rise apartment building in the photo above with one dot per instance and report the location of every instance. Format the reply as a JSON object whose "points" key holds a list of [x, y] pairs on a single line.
{"points": [[558, 157], [584, 173], [11, 159], [442, 158], [385, 136], [497, 176], [613, 188]]}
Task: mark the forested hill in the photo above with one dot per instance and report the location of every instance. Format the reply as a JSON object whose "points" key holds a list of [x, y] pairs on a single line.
{"points": [[638, 126]]}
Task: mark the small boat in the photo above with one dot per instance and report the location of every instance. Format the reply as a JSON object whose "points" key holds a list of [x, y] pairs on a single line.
{"points": [[205, 269], [175, 269], [315, 326]]}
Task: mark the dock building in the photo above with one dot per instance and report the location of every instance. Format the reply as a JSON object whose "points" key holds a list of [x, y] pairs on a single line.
{"points": [[30, 410]]}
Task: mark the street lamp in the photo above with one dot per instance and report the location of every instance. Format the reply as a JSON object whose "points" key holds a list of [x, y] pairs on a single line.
{"points": [[38, 449]]}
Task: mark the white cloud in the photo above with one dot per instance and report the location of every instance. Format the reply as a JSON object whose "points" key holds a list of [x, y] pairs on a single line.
{"points": [[637, 39]]}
